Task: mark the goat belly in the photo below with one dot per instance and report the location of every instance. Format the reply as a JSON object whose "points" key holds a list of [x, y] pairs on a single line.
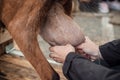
{"points": [[60, 29]]}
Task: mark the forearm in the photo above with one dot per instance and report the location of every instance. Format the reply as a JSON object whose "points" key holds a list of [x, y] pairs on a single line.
{"points": [[111, 52], [78, 68]]}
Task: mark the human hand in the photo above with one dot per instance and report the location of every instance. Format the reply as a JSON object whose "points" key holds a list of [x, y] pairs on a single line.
{"points": [[90, 48], [59, 53]]}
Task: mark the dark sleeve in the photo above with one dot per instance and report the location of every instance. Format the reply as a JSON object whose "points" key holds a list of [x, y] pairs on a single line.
{"points": [[78, 68], [111, 52]]}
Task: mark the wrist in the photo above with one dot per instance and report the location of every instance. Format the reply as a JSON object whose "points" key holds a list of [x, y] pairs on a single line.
{"points": [[100, 56]]}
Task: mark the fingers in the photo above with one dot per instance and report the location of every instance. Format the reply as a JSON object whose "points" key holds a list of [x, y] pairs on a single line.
{"points": [[80, 47], [55, 58], [81, 51], [68, 45], [51, 49], [59, 53], [53, 55]]}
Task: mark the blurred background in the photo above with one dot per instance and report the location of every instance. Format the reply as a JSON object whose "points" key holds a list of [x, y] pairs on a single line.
{"points": [[99, 20]]}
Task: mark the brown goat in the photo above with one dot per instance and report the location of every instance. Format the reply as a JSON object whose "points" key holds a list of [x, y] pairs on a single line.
{"points": [[24, 19]]}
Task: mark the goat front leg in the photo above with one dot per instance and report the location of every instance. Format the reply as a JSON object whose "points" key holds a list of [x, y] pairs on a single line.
{"points": [[26, 38], [24, 31]]}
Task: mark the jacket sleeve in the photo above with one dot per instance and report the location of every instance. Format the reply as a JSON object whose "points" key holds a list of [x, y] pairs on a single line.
{"points": [[111, 52], [78, 68]]}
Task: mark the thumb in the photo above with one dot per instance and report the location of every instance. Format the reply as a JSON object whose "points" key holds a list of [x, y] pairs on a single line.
{"points": [[79, 47]]}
